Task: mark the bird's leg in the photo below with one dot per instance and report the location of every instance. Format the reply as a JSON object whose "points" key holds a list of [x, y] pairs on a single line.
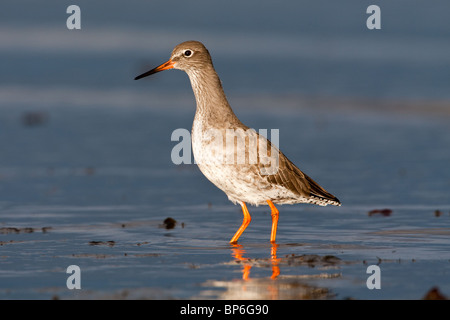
{"points": [[275, 213], [244, 225]]}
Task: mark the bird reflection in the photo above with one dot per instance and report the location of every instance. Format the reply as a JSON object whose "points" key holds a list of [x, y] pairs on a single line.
{"points": [[238, 252], [293, 285]]}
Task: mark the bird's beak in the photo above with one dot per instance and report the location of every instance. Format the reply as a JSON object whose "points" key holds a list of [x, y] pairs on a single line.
{"points": [[165, 66]]}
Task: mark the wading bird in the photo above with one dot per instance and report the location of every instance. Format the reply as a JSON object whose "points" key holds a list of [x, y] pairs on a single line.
{"points": [[256, 182]]}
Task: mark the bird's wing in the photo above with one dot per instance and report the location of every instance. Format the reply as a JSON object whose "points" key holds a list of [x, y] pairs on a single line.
{"points": [[292, 178]]}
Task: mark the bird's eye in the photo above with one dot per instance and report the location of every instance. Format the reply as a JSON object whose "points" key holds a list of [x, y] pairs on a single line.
{"points": [[187, 53]]}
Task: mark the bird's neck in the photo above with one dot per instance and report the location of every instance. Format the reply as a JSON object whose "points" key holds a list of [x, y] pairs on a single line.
{"points": [[212, 104]]}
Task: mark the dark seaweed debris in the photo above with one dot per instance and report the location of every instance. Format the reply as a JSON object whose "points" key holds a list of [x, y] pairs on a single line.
{"points": [[169, 223], [312, 260], [99, 243], [6, 230], [382, 212], [34, 118], [434, 294]]}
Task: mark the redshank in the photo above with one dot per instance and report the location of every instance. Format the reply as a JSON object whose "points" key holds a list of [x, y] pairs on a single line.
{"points": [[248, 180]]}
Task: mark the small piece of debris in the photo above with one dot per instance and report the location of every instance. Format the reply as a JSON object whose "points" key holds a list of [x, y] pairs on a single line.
{"points": [[382, 212], [6, 230], [89, 171], [169, 223], [34, 118], [45, 229], [8, 242], [92, 255], [312, 260], [99, 243], [438, 213], [434, 294]]}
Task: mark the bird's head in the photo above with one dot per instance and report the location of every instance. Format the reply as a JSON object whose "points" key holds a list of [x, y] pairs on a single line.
{"points": [[188, 56]]}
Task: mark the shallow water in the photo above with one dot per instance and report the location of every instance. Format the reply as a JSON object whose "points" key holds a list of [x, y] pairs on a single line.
{"points": [[86, 176], [99, 201]]}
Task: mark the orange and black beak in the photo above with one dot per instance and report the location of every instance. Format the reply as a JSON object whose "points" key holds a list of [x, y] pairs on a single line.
{"points": [[165, 66]]}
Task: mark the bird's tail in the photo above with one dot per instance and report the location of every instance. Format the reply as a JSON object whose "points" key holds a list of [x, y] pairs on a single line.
{"points": [[319, 195]]}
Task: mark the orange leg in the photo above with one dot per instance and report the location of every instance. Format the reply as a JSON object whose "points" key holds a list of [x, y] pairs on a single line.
{"points": [[244, 225], [275, 214]]}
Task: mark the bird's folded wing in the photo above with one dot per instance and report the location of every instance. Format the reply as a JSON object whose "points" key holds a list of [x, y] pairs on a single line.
{"points": [[292, 178]]}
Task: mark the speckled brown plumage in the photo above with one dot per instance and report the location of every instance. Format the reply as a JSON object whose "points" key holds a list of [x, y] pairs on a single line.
{"points": [[266, 176]]}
